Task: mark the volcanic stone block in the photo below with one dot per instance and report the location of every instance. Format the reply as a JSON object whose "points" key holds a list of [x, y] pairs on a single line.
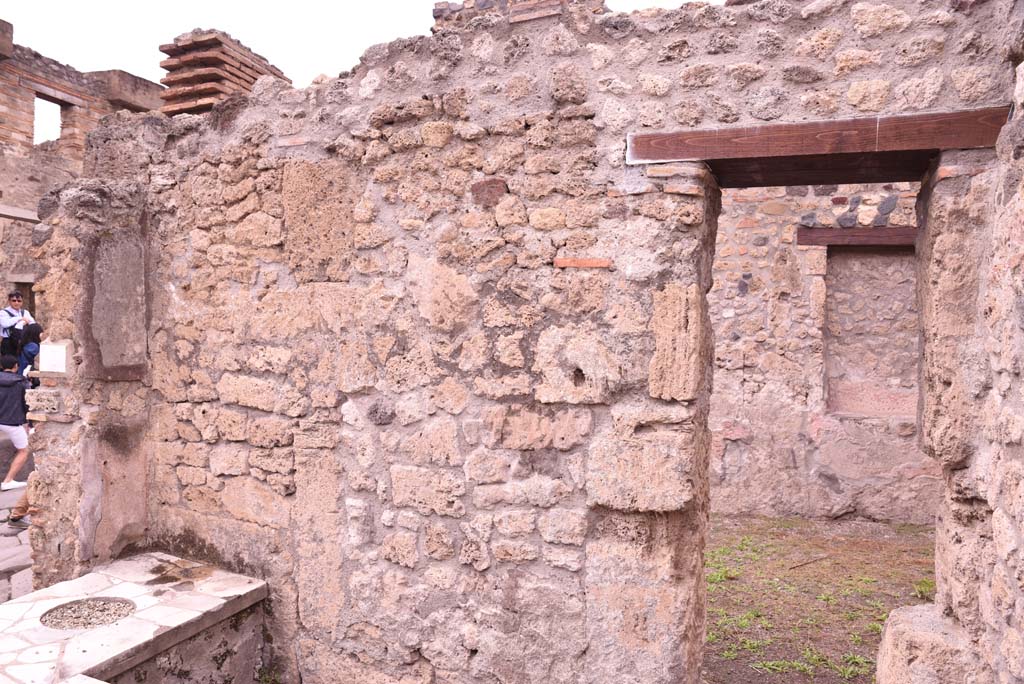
{"points": [[680, 324]]}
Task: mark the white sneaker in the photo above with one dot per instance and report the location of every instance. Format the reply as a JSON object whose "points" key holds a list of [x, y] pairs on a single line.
{"points": [[13, 484]]}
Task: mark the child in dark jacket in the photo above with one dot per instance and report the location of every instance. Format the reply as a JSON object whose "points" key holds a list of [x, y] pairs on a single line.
{"points": [[28, 349], [28, 346], [13, 410]]}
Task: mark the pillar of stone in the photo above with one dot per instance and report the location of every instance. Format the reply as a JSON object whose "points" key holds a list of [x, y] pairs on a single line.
{"points": [[968, 634], [647, 472], [90, 484]]}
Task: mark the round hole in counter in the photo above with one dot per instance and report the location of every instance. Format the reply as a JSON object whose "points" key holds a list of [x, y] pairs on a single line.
{"points": [[85, 613]]}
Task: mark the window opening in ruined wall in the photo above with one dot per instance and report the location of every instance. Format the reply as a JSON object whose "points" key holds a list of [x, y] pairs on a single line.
{"points": [[46, 123]]}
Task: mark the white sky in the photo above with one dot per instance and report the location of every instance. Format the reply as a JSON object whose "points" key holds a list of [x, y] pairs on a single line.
{"points": [[303, 38], [300, 37]]}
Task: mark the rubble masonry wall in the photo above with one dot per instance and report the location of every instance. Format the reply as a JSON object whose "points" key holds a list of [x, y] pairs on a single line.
{"points": [[414, 345]]}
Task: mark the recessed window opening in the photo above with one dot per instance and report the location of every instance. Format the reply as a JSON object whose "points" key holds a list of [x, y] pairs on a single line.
{"points": [[46, 121]]}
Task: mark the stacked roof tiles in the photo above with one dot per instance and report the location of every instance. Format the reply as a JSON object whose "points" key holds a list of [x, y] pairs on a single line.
{"points": [[205, 67]]}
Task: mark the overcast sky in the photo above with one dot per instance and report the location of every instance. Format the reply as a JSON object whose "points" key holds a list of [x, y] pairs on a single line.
{"points": [[302, 38]]}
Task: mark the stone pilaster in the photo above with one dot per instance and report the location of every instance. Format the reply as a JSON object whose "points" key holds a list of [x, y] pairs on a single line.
{"points": [[647, 473]]}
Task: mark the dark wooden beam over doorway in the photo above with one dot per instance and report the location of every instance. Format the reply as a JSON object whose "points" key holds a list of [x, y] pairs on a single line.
{"points": [[883, 236], [862, 150]]}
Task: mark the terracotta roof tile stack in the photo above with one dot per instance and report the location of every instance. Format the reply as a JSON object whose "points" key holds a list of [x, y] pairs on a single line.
{"points": [[207, 66]]}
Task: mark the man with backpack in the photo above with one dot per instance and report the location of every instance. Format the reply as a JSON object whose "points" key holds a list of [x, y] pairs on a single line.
{"points": [[13, 319], [13, 417]]}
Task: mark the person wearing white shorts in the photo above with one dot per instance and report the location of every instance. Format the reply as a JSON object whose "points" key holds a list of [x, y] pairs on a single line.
{"points": [[13, 417], [17, 435]]}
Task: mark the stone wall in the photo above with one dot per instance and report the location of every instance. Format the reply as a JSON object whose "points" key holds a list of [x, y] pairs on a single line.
{"points": [[971, 284], [816, 360], [419, 349]]}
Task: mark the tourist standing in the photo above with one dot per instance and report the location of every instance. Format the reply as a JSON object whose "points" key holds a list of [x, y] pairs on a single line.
{"points": [[13, 319], [13, 414]]}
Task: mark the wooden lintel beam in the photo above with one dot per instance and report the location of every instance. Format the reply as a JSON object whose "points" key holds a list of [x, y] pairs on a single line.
{"points": [[931, 131], [9, 212], [884, 236]]}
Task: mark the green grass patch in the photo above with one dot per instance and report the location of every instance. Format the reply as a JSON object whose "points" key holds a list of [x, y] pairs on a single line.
{"points": [[924, 589], [782, 666]]}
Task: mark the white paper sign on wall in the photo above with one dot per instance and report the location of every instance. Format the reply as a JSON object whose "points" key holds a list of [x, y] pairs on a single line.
{"points": [[53, 356]]}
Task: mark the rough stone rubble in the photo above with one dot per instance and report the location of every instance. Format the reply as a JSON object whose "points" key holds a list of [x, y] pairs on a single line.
{"points": [[417, 341]]}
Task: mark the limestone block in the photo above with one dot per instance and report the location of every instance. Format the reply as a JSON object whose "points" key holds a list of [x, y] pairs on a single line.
{"points": [[547, 218], [921, 646], [259, 230], [575, 366], [821, 7], [515, 523], [118, 303], [972, 83], [400, 548], [820, 43], [44, 400], [917, 93], [253, 501], [645, 600], [873, 20], [869, 96], [562, 557], [436, 133], [680, 324], [531, 430], [563, 526], [450, 396], [269, 431], [437, 542], [647, 443], [510, 211], [513, 551], [487, 466], [266, 395], [568, 84], [436, 443], [853, 59], [228, 460], [444, 297], [537, 490], [428, 490], [273, 460]]}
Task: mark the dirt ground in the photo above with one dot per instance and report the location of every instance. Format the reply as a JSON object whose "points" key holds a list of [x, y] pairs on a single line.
{"points": [[793, 600]]}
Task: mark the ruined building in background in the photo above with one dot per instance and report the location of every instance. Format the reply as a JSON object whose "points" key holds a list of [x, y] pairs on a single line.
{"points": [[428, 349], [28, 171]]}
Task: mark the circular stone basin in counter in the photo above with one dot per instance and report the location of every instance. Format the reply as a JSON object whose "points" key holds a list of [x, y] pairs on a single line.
{"points": [[85, 613]]}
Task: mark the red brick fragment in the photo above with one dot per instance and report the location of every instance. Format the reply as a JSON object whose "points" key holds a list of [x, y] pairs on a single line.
{"points": [[582, 262], [487, 193]]}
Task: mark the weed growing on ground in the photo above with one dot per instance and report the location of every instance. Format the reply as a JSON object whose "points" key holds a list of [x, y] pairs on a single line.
{"points": [[780, 666], [924, 589]]}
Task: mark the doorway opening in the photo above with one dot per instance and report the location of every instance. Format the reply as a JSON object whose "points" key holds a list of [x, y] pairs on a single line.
{"points": [[851, 387], [822, 502]]}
